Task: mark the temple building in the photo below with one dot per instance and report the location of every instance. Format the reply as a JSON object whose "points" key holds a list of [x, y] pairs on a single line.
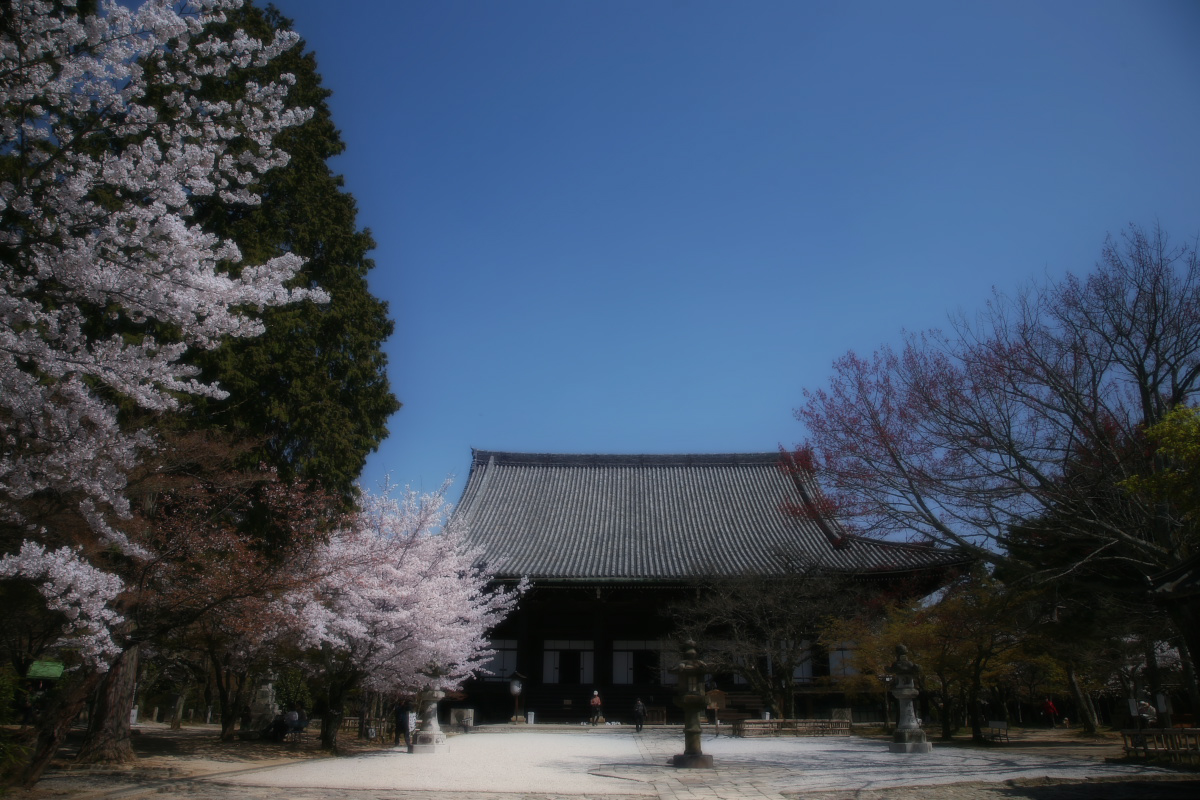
{"points": [[609, 542]]}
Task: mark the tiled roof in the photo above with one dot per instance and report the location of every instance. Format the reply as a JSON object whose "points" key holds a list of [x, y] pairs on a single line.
{"points": [[657, 517]]}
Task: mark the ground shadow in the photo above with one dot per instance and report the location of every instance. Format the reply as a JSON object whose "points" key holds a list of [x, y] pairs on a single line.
{"points": [[1108, 790]]}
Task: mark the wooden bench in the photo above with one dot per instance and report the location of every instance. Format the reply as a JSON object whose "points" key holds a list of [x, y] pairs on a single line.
{"points": [[997, 730], [298, 733]]}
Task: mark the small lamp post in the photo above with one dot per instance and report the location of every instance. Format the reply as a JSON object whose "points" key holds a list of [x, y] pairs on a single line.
{"points": [[514, 688]]}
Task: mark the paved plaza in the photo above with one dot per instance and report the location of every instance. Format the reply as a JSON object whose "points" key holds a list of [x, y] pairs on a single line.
{"points": [[617, 764]]}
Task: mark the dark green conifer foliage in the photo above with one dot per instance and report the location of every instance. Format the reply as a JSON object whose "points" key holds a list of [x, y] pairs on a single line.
{"points": [[313, 390]]}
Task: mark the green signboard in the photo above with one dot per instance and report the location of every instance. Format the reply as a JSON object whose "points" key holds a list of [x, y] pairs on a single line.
{"points": [[39, 670]]}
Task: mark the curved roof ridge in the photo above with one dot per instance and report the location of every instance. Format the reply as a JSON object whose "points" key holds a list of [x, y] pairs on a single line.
{"points": [[621, 459], [917, 546]]}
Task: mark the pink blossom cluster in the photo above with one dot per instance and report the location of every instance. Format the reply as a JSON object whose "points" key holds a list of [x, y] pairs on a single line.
{"points": [[77, 590], [106, 278], [403, 601]]}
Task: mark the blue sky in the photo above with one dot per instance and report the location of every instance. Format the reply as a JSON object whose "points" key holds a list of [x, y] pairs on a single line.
{"points": [[610, 226]]}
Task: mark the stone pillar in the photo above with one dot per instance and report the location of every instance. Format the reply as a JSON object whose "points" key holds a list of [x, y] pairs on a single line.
{"points": [[691, 698], [429, 737], [908, 738]]}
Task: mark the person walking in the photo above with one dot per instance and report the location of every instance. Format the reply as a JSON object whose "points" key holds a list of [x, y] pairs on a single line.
{"points": [[597, 710], [1049, 710], [301, 720], [639, 715], [403, 728]]}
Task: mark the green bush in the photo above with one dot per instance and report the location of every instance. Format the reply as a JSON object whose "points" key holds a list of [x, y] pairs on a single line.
{"points": [[291, 688], [14, 745]]}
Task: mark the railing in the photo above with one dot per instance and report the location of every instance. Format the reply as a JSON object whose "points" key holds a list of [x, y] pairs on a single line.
{"points": [[791, 727], [1172, 744], [382, 727]]}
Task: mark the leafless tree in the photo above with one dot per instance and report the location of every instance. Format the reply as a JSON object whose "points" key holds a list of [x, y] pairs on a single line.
{"points": [[765, 629], [1032, 410]]}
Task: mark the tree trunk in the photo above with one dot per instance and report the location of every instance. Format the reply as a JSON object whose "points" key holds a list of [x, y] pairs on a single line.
{"points": [[1185, 613], [331, 720], [1082, 702], [55, 724], [231, 692], [232, 702], [107, 740], [1091, 708], [975, 692], [1189, 680], [1153, 674], [177, 713], [340, 680], [947, 710]]}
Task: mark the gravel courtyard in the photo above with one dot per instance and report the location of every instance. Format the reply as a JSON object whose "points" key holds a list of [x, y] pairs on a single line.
{"points": [[548, 763]]}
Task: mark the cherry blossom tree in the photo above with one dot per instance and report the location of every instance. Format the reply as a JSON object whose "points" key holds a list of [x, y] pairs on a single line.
{"points": [[403, 604], [75, 589], [104, 282], [107, 280]]}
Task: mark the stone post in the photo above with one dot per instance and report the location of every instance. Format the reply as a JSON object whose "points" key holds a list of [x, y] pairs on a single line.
{"points": [[908, 738], [691, 699]]}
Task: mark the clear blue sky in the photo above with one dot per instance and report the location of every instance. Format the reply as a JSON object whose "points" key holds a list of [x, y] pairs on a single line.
{"points": [[648, 226]]}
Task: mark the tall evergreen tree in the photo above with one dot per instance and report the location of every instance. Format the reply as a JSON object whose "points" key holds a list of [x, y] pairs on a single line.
{"points": [[313, 389]]}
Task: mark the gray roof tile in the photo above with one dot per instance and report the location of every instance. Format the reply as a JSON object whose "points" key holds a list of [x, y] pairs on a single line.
{"points": [[657, 517]]}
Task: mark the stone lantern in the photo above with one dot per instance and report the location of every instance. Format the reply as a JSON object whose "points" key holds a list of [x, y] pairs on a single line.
{"points": [[908, 737], [690, 697], [429, 737]]}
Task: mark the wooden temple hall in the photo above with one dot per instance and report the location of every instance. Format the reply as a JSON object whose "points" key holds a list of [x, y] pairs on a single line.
{"points": [[609, 542]]}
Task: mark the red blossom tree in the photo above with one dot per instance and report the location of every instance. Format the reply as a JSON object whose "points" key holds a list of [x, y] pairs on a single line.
{"points": [[212, 586]]}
